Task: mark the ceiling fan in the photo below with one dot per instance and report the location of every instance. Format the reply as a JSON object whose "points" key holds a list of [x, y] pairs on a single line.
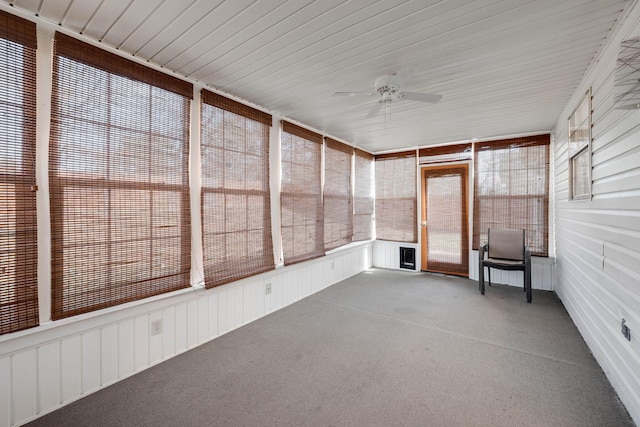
{"points": [[388, 88]]}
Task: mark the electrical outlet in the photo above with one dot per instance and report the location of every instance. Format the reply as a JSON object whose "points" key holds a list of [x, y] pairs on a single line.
{"points": [[156, 327], [267, 289], [626, 332]]}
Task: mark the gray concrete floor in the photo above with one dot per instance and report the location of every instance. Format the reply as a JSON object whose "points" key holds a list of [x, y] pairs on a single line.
{"points": [[383, 348]]}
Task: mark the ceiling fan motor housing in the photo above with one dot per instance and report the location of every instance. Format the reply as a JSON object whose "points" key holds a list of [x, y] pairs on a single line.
{"points": [[387, 88]]}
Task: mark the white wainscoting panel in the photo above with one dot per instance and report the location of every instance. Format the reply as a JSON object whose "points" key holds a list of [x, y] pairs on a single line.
{"points": [[387, 254], [542, 277], [52, 365]]}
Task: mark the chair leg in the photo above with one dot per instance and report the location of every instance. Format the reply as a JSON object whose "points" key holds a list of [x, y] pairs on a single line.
{"points": [[481, 279], [527, 282], [489, 269]]}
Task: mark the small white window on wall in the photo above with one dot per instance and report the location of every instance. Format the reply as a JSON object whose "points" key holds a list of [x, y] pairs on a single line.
{"points": [[580, 150]]}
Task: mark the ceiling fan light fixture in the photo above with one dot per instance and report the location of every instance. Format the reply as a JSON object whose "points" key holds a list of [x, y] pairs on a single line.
{"points": [[387, 87]]}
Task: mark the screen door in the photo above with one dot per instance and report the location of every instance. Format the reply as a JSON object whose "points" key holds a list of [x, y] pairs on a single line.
{"points": [[444, 220]]}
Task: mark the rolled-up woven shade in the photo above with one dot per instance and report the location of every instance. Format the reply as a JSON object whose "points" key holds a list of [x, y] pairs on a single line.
{"points": [[18, 250], [363, 196], [338, 204], [119, 184], [236, 205], [302, 219], [445, 153], [396, 215], [511, 189]]}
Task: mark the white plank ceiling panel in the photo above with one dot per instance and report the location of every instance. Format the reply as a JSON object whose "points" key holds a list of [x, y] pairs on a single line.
{"points": [[222, 15], [155, 23], [503, 67], [168, 36], [78, 14], [132, 16], [246, 26], [105, 17]]}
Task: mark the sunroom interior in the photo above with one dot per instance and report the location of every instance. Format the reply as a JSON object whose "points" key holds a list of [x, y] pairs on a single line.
{"points": [[173, 172]]}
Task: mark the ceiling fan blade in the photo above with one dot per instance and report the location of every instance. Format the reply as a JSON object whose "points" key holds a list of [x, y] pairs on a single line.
{"points": [[431, 98], [352, 93], [374, 110]]}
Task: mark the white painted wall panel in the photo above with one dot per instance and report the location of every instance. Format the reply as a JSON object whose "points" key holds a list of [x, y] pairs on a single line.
{"points": [[156, 344], [24, 384], [109, 354], [223, 308], [541, 273], [213, 315], [48, 376], [387, 255], [317, 277], [168, 332], [71, 368], [126, 348], [289, 285], [598, 241], [141, 342], [181, 327], [90, 361], [192, 323], [5, 391], [203, 319]]}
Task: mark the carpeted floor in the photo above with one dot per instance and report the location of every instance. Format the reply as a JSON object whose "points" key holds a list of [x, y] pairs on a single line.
{"points": [[383, 348]]}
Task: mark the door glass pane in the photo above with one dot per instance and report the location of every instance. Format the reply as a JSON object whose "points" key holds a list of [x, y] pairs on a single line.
{"points": [[444, 218]]}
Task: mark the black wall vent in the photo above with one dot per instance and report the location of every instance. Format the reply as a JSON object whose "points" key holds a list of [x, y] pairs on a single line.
{"points": [[408, 258]]}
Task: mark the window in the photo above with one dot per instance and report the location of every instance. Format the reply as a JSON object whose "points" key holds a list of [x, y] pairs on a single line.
{"points": [[118, 180], [580, 150], [511, 189], [363, 196], [236, 212], [301, 194], [338, 205], [18, 251], [396, 197]]}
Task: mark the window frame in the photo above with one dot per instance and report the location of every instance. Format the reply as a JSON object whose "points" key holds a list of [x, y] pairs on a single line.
{"points": [[390, 226], [483, 219], [363, 199], [216, 275], [19, 305], [582, 147], [308, 199], [335, 200], [124, 283]]}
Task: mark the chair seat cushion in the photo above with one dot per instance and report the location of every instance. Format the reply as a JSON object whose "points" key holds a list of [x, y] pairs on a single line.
{"points": [[503, 262]]}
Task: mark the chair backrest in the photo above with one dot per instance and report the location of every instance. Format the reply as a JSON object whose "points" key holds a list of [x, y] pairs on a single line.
{"points": [[506, 244]]}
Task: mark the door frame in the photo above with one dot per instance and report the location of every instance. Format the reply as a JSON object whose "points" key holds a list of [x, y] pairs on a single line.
{"points": [[468, 166]]}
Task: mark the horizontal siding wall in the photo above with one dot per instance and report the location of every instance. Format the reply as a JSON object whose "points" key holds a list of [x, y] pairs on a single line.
{"points": [[50, 366], [598, 241]]}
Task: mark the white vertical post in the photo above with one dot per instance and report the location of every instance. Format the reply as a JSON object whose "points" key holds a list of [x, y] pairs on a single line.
{"points": [[44, 74], [275, 177], [195, 185]]}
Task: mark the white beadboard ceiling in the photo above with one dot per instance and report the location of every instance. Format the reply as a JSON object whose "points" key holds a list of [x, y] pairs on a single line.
{"points": [[503, 67]]}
